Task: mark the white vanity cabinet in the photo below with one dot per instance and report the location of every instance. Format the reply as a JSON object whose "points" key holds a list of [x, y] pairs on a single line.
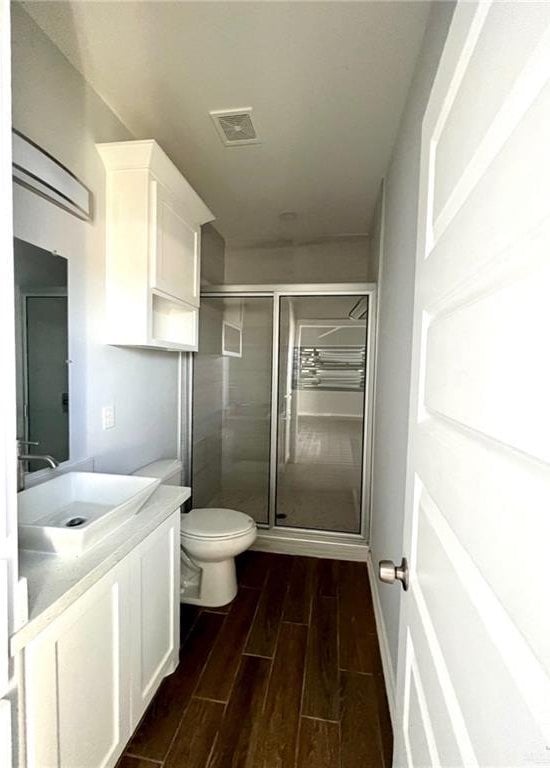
{"points": [[77, 680], [156, 592], [90, 674], [153, 221]]}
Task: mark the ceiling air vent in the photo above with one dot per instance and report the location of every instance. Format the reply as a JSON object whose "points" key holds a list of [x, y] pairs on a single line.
{"points": [[235, 126]]}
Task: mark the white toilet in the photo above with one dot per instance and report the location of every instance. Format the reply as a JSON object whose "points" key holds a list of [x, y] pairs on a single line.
{"points": [[210, 541]]}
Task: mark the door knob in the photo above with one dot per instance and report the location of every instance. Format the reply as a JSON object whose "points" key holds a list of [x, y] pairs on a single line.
{"points": [[389, 572]]}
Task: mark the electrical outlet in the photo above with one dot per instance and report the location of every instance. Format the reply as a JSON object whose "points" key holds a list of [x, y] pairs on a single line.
{"points": [[108, 416]]}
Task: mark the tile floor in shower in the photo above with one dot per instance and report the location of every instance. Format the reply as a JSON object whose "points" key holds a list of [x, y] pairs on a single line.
{"points": [[320, 489]]}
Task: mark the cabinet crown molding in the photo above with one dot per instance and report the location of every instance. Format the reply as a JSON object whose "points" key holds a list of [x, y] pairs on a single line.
{"points": [[147, 155]]}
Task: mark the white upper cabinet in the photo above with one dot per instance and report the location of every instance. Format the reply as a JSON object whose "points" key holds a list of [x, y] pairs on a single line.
{"points": [[176, 251], [153, 219]]}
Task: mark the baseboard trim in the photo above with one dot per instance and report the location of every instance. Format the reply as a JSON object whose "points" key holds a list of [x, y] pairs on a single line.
{"points": [[389, 677], [287, 545]]}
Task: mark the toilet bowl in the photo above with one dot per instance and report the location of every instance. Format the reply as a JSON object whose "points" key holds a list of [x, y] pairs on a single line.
{"points": [[211, 539]]}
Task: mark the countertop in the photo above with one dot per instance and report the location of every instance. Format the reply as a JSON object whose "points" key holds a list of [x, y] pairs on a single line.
{"points": [[54, 582]]}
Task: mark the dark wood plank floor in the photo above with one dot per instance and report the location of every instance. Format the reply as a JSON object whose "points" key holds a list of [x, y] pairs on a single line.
{"points": [[287, 676]]}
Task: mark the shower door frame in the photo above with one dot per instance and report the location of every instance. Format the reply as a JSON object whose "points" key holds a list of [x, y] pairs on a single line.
{"points": [[277, 291]]}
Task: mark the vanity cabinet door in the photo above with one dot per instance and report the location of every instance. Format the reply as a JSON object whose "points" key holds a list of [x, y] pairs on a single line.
{"points": [[77, 681], [155, 576], [176, 262]]}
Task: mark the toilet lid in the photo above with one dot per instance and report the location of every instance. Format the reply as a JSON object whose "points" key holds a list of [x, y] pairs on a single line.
{"points": [[215, 523]]}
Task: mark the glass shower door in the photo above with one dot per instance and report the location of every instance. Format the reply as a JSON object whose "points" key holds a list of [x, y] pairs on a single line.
{"points": [[232, 404], [321, 403]]}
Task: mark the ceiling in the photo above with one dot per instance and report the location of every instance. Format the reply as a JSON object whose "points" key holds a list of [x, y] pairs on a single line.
{"points": [[327, 82]]}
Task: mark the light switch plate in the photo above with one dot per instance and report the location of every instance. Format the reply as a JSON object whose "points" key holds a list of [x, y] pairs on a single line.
{"points": [[108, 416]]}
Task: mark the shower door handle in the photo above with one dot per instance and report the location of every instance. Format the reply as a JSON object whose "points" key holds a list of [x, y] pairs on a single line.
{"points": [[389, 573]]}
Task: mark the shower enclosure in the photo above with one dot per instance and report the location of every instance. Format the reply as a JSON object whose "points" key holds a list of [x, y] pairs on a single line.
{"points": [[281, 405]]}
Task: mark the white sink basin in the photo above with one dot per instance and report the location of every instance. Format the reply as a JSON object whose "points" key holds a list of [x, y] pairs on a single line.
{"points": [[71, 513]]}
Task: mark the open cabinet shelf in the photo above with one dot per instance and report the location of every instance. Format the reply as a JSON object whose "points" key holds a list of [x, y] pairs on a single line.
{"points": [[174, 324]]}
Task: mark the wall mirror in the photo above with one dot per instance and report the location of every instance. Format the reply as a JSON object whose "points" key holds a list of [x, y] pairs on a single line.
{"points": [[41, 341]]}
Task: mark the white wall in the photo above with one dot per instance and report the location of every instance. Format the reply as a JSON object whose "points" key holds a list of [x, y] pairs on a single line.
{"points": [[337, 260], [321, 402], [56, 108], [396, 292]]}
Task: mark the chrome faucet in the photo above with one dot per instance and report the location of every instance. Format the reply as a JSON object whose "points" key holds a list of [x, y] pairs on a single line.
{"points": [[21, 457]]}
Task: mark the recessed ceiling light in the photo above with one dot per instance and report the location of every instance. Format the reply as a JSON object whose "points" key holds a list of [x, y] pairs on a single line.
{"points": [[288, 216]]}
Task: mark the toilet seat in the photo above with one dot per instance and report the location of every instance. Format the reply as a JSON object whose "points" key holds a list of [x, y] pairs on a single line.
{"points": [[210, 541], [215, 523]]}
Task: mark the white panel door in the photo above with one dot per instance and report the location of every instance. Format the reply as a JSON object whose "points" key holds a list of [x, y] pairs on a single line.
{"points": [[474, 653], [155, 581], [77, 681], [176, 269]]}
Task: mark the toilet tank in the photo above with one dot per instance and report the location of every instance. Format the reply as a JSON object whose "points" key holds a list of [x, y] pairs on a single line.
{"points": [[168, 470]]}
